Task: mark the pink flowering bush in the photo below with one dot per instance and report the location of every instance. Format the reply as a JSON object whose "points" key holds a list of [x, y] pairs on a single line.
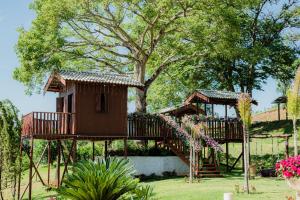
{"points": [[289, 168]]}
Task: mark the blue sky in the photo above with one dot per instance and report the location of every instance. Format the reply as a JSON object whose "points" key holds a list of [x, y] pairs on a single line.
{"points": [[14, 14]]}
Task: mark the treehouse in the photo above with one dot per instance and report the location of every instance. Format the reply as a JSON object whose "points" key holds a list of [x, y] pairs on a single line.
{"points": [[89, 105], [93, 106]]}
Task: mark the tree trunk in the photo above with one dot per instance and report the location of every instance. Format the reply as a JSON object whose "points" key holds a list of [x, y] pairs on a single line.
{"points": [[191, 161], [141, 95], [141, 102], [295, 136], [246, 166]]}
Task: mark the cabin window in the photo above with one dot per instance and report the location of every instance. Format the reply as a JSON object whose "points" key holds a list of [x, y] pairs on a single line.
{"points": [[102, 103]]}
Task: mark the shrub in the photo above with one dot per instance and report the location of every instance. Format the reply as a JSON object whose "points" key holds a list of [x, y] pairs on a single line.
{"points": [[106, 179]]}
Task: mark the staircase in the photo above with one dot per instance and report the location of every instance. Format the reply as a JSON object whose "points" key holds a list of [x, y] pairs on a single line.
{"points": [[209, 171], [178, 146]]}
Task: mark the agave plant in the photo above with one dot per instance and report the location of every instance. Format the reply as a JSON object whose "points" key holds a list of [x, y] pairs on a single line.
{"points": [[105, 179]]}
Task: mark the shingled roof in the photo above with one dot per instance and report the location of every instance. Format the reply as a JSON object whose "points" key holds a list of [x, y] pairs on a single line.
{"points": [[215, 97], [182, 109], [90, 77], [282, 99]]}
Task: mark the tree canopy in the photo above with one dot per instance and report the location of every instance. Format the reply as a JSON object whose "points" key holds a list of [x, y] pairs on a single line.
{"points": [[139, 37], [244, 44], [171, 46]]}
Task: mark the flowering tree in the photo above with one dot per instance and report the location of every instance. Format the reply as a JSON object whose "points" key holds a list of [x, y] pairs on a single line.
{"points": [[293, 104], [244, 107], [192, 133]]}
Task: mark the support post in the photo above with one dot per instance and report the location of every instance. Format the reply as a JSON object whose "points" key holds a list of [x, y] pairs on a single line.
{"points": [[287, 147], [213, 110], [105, 149], [93, 143], [278, 111], [286, 112], [20, 169], [227, 157], [205, 109], [226, 114], [30, 168], [125, 148], [49, 162], [58, 163]]}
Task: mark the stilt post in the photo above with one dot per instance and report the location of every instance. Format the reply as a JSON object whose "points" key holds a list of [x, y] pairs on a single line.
{"points": [[20, 168], [58, 162], [125, 148], [93, 142], [105, 149], [30, 168], [49, 162]]}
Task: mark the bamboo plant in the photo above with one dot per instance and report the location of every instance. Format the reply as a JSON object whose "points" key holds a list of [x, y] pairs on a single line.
{"points": [[244, 107], [293, 104]]}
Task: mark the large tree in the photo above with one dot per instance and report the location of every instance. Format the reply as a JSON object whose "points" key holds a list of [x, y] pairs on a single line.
{"points": [[126, 36], [245, 43]]}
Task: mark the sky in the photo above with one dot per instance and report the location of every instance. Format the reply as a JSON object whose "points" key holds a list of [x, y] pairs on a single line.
{"points": [[15, 14]]}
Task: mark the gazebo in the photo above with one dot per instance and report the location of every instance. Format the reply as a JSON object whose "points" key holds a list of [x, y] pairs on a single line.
{"points": [[183, 109], [214, 97], [281, 100]]}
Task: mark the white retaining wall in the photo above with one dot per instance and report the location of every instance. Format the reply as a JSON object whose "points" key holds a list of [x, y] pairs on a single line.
{"points": [[158, 164]]}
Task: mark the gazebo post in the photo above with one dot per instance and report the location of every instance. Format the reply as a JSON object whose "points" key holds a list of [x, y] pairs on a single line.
{"points": [[286, 112], [212, 110], [205, 109], [278, 111], [287, 147], [226, 114]]}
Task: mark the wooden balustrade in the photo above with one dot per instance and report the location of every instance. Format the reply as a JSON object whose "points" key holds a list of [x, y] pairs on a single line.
{"points": [[222, 130], [48, 124], [139, 127]]}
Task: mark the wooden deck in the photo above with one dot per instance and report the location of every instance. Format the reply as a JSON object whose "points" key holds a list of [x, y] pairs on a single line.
{"points": [[56, 125]]}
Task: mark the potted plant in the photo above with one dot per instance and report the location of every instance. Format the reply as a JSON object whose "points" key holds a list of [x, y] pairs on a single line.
{"points": [[290, 170]]}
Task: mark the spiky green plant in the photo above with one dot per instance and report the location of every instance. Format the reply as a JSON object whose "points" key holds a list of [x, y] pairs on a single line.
{"points": [[105, 179], [244, 107], [293, 104]]}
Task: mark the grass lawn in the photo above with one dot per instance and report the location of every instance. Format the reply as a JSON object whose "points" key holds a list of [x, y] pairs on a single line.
{"points": [[206, 189], [212, 189]]}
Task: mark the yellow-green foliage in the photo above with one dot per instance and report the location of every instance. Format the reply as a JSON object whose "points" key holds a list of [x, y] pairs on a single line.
{"points": [[244, 106], [293, 97]]}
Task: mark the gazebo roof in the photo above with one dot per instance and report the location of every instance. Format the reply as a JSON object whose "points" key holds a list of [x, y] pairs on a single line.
{"points": [[282, 99], [58, 79], [181, 110], [214, 97]]}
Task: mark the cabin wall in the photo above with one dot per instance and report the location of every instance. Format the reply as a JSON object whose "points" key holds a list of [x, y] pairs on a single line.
{"points": [[91, 122]]}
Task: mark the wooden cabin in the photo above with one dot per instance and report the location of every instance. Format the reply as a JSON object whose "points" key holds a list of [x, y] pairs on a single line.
{"points": [[89, 104]]}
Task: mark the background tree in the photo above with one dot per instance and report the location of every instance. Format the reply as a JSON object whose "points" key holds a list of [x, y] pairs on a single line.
{"points": [[244, 107], [293, 105], [244, 43], [140, 37], [10, 127]]}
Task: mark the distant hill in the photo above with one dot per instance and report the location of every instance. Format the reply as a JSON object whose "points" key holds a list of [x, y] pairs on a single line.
{"points": [[269, 115]]}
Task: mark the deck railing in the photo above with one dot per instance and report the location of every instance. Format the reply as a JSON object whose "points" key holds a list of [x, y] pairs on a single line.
{"points": [[48, 123], [155, 127], [139, 127], [224, 129]]}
